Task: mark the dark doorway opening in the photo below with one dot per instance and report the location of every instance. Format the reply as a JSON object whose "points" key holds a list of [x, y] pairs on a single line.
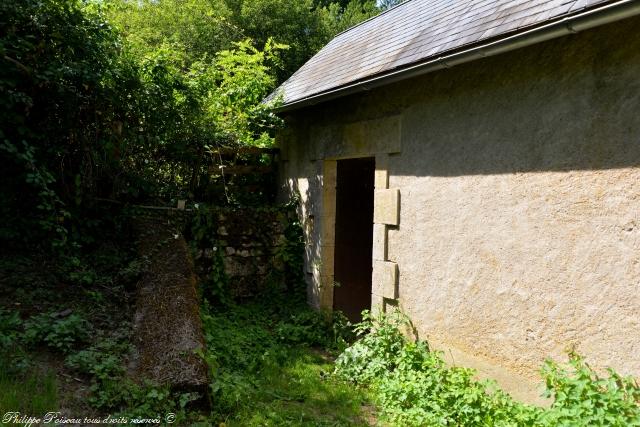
{"points": [[354, 236]]}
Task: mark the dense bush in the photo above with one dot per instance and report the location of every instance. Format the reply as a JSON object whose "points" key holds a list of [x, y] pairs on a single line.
{"points": [[414, 386], [85, 115], [58, 103]]}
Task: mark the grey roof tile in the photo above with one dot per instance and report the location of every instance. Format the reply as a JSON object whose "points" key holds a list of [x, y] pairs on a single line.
{"points": [[416, 31]]}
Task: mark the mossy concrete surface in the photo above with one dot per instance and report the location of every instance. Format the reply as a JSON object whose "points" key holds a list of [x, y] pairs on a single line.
{"points": [[167, 325]]}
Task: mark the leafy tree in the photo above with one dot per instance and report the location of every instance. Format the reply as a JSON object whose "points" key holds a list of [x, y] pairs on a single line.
{"points": [[85, 113], [197, 28], [186, 112], [291, 22], [245, 80], [58, 105], [303, 25], [387, 4], [200, 28], [326, 3], [339, 19], [91, 110]]}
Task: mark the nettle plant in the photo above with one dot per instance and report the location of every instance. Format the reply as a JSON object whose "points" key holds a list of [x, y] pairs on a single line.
{"points": [[57, 333], [581, 394], [414, 386]]}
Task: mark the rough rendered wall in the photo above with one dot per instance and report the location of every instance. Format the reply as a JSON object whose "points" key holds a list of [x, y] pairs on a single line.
{"points": [[519, 177]]}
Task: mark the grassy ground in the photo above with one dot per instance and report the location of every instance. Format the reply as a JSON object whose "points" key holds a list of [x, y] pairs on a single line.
{"points": [[298, 393], [35, 393], [275, 369], [271, 359]]}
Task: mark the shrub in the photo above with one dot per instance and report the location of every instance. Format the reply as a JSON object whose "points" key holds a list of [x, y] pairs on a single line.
{"points": [[584, 398], [103, 360], [375, 353], [14, 361], [414, 386], [60, 334], [10, 323]]}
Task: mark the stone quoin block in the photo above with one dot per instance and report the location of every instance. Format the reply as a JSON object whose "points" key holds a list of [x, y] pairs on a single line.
{"points": [[386, 209], [326, 292], [377, 304], [385, 279], [381, 181], [379, 242]]}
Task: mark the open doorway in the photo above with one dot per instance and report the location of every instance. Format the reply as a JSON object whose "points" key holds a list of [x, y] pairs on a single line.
{"points": [[354, 236]]}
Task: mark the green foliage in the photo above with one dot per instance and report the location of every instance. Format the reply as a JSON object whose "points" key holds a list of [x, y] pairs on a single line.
{"points": [[22, 388], [304, 25], [112, 391], [413, 386], [339, 18], [10, 323], [584, 398], [291, 253], [189, 110], [35, 393], [294, 23], [56, 101], [387, 4], [375, 353], [264, 373], [132, 400], [203, 228], [307, 328], [14, 361], [244, 81], [102, 360], [57, 333], [198, 29], [88, 113], [136, 110]]}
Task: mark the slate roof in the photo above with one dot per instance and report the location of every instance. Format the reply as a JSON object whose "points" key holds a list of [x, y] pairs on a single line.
{"points": [[415, 31]]}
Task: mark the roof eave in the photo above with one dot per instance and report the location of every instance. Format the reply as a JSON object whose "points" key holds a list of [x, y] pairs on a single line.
{"points": [[571, 24]]}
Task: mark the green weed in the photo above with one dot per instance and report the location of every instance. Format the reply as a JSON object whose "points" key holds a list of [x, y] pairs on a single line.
{"points": [[414, 387], [269, 370], [59, 334], [31, 393], [34, 394]]}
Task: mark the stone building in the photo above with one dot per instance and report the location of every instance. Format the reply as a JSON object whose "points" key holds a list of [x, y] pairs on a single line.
{"points": [[476, 163]]}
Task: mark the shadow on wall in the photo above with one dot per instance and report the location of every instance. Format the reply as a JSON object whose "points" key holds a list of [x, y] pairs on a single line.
{"points": [[567, 104], [310, 215]]}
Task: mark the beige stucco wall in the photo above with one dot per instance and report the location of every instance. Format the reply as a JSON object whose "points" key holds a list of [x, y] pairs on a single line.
{"points": [[519, 180]]}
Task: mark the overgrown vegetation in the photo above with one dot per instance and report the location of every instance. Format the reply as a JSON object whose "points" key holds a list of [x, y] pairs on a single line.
{"points": [[108, 103], [129, 100], [413, 386], [104, 104], [271, 366]]}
